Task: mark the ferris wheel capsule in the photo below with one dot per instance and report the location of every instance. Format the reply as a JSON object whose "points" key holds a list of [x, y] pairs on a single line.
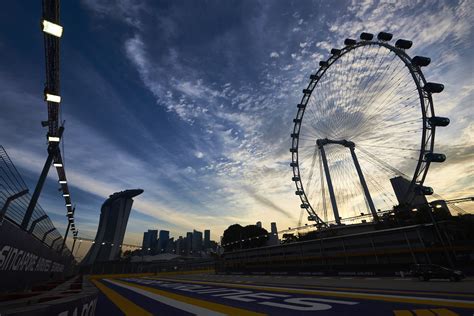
{"points": [[350, 42], [421, 61], [366, 36], [385, 37], [435, 157], [438, 121], [433, 87], [403, 44]]}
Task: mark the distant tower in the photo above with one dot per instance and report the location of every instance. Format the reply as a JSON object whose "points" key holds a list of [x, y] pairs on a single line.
{"points": [[207, 239], [163, 241], [189, 242], [273, 240], [112, 224], [149, 240], [146, 243], [197, 241], [259, 224]]}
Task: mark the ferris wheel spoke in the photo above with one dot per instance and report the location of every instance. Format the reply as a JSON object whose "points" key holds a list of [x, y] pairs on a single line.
{"points": [[376, 110], [380, 81]]}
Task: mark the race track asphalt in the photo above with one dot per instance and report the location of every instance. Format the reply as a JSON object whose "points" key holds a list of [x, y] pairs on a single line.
{"points": [[211, 294]]}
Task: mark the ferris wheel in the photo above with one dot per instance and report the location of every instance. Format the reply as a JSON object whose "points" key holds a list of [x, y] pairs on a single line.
{"points": [[366, 116]]}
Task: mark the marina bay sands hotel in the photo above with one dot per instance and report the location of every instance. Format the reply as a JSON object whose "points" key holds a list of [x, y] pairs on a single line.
{"points": [[112, 225]]}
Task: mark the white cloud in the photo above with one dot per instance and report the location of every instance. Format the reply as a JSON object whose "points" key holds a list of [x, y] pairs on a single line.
{"points": [[274, 55]]}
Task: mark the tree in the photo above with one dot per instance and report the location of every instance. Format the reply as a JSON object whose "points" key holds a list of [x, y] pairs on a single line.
{"points": [[238, 237]]}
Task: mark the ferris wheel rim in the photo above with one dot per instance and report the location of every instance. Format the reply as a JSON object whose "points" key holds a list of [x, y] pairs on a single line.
{"points": [[425, 103]]}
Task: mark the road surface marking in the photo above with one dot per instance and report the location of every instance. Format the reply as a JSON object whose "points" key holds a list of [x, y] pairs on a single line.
{"points": [[378, 297], [402, 313], [425, 312], [125, 305], [444, 312], [356, 289], [192, 305]]}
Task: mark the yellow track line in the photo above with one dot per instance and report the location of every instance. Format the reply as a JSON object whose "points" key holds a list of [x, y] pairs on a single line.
{"points": [[125, 305], [193, 301], [322, 287], [386, 298]]}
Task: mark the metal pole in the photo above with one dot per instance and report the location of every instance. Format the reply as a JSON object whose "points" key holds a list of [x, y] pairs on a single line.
{"points": [[52, 150], [36, 221], [54, 241], [441, 240], [364, 185], [73, 244], [330, 188], [65, 235], [46, 234], [3, 211], [37, 192]]}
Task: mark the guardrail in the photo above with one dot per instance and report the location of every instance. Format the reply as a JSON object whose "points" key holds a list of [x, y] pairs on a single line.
{"points": [[14, 199]]}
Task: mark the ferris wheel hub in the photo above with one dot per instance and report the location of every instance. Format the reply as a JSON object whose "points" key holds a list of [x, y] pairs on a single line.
{"points": [[325, 141]]}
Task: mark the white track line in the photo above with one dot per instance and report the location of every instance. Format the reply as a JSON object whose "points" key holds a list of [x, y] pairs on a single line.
{"points": [[168, 301]]}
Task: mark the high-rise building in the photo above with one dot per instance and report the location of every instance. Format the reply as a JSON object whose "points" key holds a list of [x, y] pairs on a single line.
{"points": [[259, 224], [273, 240], [189, 242], [163, 240], [112, 224], [146, 243], [197, 241], [207, 239], [149, 240], [179, 246]]}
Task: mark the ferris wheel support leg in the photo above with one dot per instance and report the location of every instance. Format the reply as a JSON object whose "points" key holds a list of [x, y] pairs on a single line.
{"points": [[330, 188], [364, 185]]}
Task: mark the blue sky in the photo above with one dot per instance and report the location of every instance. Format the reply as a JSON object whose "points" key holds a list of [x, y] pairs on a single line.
{"points": [[193, 101]]}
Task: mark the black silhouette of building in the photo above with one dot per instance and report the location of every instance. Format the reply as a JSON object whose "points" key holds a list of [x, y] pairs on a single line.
{"points": [[113, 222]]}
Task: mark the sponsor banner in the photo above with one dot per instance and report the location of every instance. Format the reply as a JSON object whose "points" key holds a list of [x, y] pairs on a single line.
{"points": [[24, 260]]}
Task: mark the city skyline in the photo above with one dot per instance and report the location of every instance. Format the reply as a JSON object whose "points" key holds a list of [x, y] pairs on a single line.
{"points": [[207, 146]]}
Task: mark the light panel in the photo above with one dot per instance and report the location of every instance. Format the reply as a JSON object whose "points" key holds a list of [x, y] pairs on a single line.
{"points": [[62, 181], [53, 98], [52, 28], [68, 204], [54, 139], [58, 165], [66, 195]]}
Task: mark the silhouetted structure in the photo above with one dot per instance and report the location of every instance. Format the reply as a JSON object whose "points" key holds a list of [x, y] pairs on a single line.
{"points": [[400, 187], [197, 241], [113, 222], [273, 240], [163, 240], [150, 240], [189, 242], [207, 239]]}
